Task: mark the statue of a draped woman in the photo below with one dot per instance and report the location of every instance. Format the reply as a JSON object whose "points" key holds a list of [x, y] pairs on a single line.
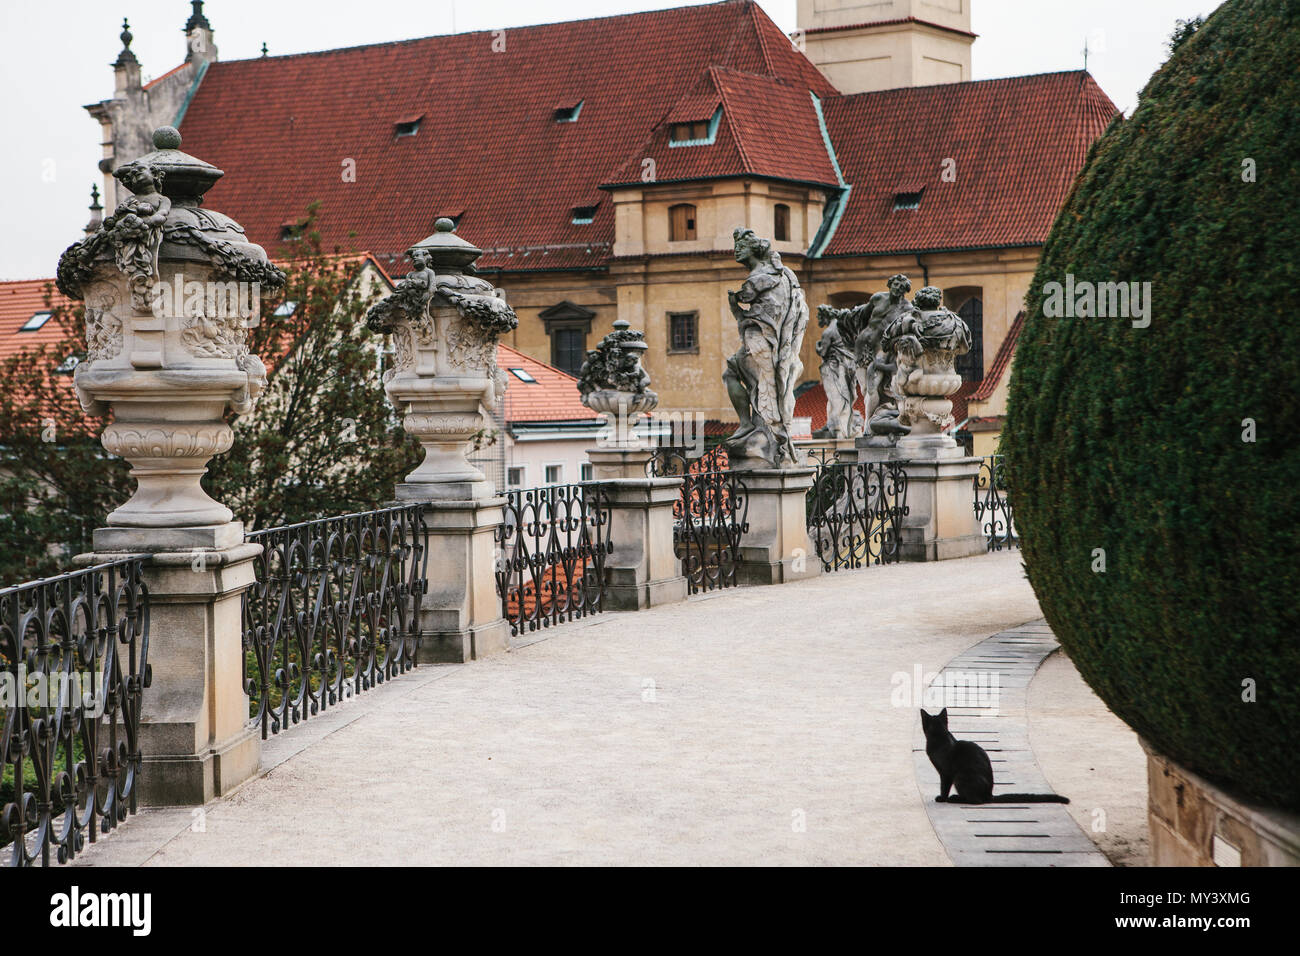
{"points": [[761, 376]]}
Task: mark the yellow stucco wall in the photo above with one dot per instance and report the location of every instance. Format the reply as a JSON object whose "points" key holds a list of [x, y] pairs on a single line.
{"points": [[648, 279]]}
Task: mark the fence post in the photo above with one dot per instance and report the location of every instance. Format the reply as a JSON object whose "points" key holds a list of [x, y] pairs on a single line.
{"points": [[643, 570], [444, 325], [777, 547], [170, 295]]}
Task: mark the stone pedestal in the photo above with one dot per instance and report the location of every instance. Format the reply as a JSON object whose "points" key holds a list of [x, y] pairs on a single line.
{"points": [[643, 570], [195, 734], [460, 615], [776, 548], [1196, 823], [940, 521]]}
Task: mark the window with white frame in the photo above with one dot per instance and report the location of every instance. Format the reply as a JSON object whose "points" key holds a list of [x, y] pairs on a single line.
{"points": [[554, 474], [516, 475]]}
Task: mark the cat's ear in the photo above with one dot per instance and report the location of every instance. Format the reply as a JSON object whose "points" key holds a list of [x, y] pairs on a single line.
{"points": [[943, 715], [925, 718]]}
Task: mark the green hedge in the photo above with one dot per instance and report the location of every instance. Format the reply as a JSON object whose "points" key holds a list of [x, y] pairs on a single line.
{"points": [[1131, 439]]}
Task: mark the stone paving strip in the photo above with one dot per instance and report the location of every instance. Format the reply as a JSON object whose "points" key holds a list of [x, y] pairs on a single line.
{"points": [[753, 726], [1000, 834]]}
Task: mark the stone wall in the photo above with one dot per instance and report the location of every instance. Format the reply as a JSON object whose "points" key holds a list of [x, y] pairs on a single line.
{"points": [[1195, 823]]}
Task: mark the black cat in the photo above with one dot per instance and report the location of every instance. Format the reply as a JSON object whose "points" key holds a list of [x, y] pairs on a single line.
{"points": [[964, 764]]}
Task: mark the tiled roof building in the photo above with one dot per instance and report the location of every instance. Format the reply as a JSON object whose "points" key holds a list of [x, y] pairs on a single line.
{"points": [[603, 163]]}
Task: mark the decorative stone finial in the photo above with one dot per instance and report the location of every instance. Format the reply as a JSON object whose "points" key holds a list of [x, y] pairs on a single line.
{"points": [[171, 292], [126, 56], [613, 383], [264, 48], [96, 212], [444, 323], [167, 137], [197, 19]]}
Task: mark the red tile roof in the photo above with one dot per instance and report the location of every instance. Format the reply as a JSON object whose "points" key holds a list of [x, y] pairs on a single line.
{"points": [[811, 403], [768, 128], [1000, 361], [553, 398], [282, 127], [19, 301], [1017, 143]]}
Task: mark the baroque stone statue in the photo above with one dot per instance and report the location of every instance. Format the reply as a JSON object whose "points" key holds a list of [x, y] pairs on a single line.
{"points": [[839, 375], [761, 376], [925, 342], [865, 325]]}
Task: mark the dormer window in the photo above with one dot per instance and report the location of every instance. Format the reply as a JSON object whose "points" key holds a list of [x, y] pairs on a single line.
{"points": [[568, 112], [407, 127], [37, 320], [523, 375], [290, 230], [583, 215], [904, 201], [696, 132]]}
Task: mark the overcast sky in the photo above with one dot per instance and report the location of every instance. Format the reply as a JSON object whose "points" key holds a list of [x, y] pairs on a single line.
{"points": [[55, 56]]}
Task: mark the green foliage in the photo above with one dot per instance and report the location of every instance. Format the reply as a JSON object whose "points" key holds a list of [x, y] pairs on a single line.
{"points": [[323, 439], [1131, 439], [57, 483]]}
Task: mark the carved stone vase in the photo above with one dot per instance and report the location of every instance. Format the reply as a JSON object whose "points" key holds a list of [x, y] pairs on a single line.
{"points": [[925, 344], [444, 324], [171, 290]]}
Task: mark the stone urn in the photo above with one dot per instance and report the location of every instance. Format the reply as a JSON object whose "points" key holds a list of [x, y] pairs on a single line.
{"points": [[924, 344], [444, 323], [171, 290], [612, 383]]}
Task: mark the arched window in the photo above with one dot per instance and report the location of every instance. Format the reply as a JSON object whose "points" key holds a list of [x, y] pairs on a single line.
{"points": [[781, 222], [681, 222], [971, 365]]}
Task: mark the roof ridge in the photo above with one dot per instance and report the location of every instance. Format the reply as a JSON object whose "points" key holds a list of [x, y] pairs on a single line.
{"points": [[467, 33], [965, 83]]}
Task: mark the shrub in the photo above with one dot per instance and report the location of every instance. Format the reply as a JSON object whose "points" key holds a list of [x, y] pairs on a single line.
{"points": [[1135, 440]]}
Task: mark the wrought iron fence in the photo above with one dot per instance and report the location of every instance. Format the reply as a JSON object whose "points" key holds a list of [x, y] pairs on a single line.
{"points": [[334, 612], [74, 654], [992, 506], [551, 550], [710, 516], [855, 513]]}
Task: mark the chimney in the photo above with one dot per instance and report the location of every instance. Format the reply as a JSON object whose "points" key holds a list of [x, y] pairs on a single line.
{"points": [[864, 45], [199, 45]]}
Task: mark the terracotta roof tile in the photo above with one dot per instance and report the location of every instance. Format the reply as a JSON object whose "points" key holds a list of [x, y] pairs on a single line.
{"points": [[552, 397], [1017, 143], [282, 126], [19, 301]]}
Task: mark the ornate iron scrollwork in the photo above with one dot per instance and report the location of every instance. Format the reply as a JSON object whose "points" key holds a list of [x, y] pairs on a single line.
{"points": [[74, 650], [334, 611], [552, 545], [855, 513], [992, 506]]}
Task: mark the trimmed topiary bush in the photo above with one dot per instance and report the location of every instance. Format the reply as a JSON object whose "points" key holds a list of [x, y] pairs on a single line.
{"points": [[1137, 441]]}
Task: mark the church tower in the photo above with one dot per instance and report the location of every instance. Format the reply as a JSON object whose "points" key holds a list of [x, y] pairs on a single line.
{"points": [[863, 45]]}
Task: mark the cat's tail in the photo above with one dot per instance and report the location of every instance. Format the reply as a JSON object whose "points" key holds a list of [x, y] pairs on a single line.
{"points": [[1029, 798]]}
